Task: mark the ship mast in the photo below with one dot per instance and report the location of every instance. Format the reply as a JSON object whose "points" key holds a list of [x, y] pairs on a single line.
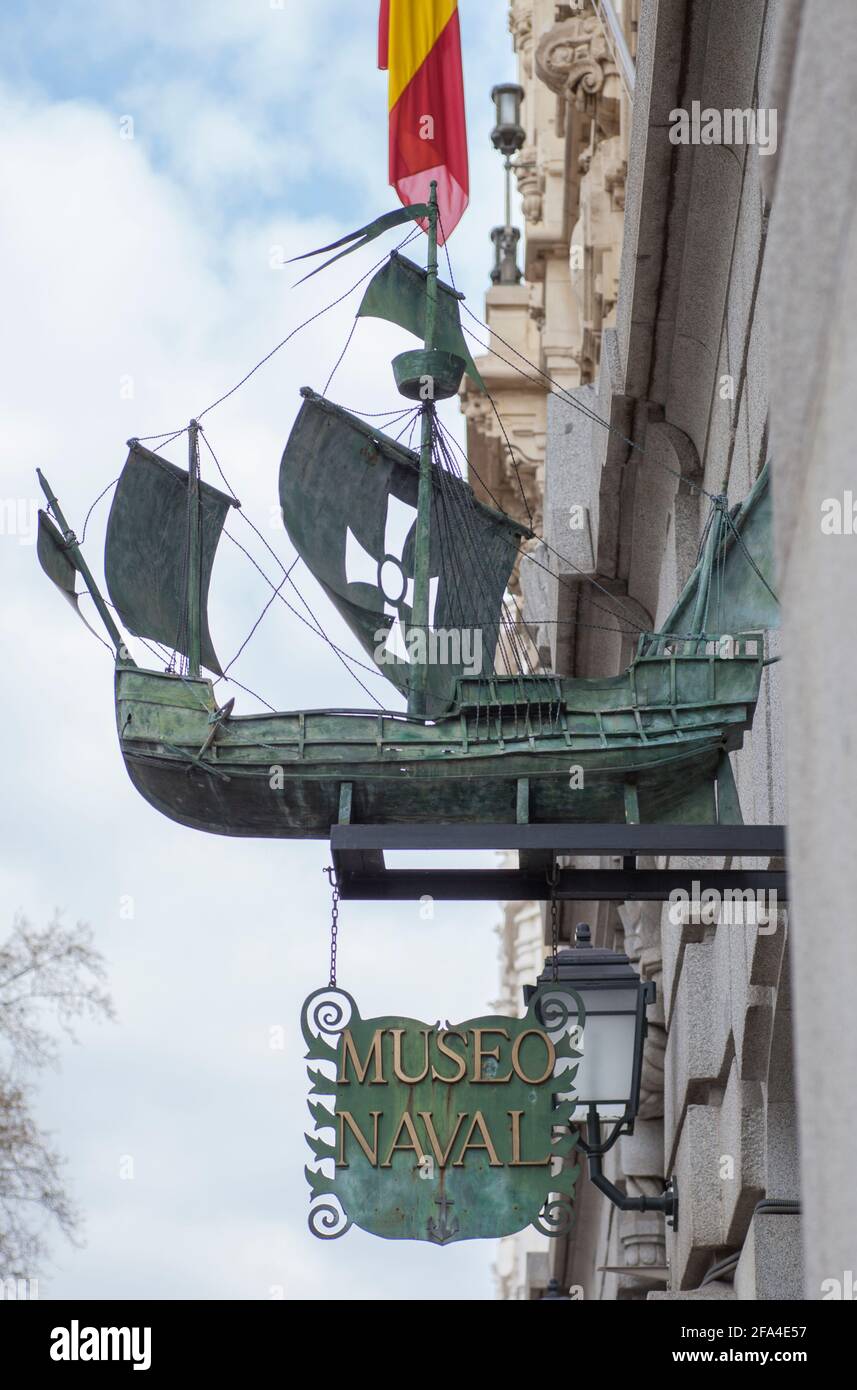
{"points": [[709, 556], [194, 554], [422, 539]]}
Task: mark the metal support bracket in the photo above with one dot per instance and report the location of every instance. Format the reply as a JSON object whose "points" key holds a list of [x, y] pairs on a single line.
{"points": [[362, 873], [666, 1203]]}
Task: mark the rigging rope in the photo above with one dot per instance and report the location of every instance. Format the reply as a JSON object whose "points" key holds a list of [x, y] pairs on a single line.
{"points": [[317, 629], [564, 395], [268, 355], [515, 653], [161, 653], [338, 361], [275, 594], [528, 554], [517, 657], [740, 539], [101, 494], [342, 655], [512, 457]]}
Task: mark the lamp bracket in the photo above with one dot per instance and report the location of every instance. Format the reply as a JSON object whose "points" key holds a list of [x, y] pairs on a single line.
{"points": [[667, 1203]]}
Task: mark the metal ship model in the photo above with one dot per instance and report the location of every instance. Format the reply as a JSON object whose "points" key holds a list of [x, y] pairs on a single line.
{"points": [[491, 746]]}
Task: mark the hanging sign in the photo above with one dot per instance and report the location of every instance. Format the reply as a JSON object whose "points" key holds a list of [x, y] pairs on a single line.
{"points": [[439, 1132]]}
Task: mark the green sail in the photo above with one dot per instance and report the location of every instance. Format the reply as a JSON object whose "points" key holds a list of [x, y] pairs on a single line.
{"points": [[146, 549], [58, 564], [339, 481], [397, 293], [742, 596]]}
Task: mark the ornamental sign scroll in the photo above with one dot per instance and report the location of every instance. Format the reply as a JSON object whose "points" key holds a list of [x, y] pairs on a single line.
{"points": [[440, 1133]]}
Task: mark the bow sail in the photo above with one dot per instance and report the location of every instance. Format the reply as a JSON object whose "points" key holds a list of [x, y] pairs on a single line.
{"points": [[342, 483], [58, 564], [147, 549]]}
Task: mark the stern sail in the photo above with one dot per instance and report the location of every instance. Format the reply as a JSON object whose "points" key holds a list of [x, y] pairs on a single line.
{"points": [[740, 594]]}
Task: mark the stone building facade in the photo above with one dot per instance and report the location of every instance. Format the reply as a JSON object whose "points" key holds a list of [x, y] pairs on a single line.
{"points": [[661, 324]]}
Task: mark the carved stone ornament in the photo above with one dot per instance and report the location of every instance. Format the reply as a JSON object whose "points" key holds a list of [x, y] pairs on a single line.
{"points": [[531, 183], [521, 29], [573, 58]]}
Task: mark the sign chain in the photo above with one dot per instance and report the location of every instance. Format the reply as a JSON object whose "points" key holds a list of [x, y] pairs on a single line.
{"points": [[553, 880], [334, 924]]}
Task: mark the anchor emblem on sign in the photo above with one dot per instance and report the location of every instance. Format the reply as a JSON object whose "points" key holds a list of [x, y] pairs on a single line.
{"points": [[441, 1231]]}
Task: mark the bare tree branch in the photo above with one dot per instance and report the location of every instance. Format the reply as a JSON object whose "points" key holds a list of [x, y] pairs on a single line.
{"points": [[61, 975], [49, 976]]}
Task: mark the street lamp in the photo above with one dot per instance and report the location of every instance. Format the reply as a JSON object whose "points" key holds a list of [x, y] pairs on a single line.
{"points": [[507, 136], [598, 998], [554, 1294]]}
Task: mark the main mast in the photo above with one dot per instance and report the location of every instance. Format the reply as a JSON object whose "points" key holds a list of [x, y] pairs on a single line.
{"points": [[423, 305], [422, 547], [194, 554]]}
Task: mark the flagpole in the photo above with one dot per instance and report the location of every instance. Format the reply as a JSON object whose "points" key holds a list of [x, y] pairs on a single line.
{"points": [[422, 539]]}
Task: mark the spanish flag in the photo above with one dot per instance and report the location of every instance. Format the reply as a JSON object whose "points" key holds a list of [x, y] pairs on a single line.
{"points": [[419, 43]]}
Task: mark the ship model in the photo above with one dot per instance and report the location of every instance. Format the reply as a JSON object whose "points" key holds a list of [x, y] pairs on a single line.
{"points": [[651, 744]]}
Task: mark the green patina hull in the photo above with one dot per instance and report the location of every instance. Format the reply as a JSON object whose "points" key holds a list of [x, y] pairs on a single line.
{"points": [[647, 745]]}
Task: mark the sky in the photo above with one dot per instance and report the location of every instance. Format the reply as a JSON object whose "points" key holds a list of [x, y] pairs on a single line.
{"points": [[159, 163]]}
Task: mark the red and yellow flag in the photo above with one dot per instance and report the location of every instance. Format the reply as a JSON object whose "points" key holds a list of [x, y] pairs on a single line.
{"points": [[419, 42]]}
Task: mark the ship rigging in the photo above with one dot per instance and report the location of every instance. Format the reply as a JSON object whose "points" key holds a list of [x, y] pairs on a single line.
{"points": [[481, 721]]}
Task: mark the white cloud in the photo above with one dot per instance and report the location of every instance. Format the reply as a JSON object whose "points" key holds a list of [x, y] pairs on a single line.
{"points": [[115, 266]]}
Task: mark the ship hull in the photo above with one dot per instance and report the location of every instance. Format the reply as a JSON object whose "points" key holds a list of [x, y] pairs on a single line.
{"points": [[646, 745]]}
